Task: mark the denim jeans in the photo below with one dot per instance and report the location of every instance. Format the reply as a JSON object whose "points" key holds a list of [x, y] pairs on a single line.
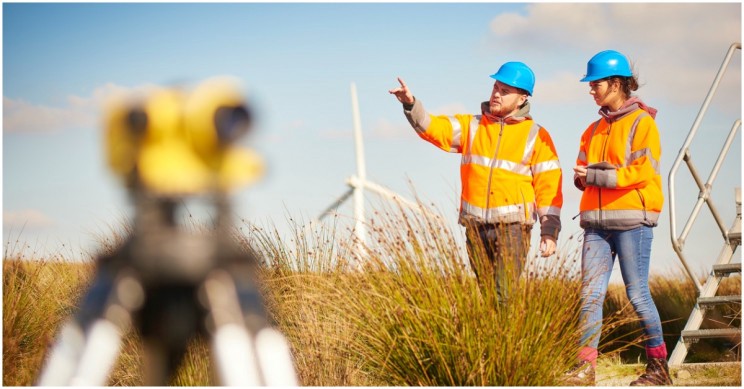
{"points": [[633, 249], [497, 253]]}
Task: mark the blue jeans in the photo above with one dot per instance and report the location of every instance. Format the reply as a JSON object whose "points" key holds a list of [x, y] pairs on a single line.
{"points": [[633, 248]]}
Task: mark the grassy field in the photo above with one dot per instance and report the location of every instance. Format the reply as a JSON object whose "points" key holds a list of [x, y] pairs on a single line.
{"points": [[612, 373], [412, 314]]}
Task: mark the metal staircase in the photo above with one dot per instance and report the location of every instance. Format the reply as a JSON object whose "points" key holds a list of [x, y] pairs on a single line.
{"points": [[723, 266]]}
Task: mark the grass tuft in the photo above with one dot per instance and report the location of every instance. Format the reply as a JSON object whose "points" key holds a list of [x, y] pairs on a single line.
{"points": [[405, 310]]}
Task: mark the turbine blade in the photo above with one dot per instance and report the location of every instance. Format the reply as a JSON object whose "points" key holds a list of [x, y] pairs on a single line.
{"points": [[381, 190], [336, 203]]}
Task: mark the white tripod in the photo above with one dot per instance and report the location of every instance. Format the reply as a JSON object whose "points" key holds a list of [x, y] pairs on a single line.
{"points": [[169, 283], [172, 285]]}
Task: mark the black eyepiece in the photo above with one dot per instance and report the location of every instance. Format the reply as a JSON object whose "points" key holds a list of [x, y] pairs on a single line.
{"points": [[137, 121], [231, 123]]}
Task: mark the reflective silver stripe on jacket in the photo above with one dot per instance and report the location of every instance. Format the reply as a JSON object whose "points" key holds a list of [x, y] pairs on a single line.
{"points": [[631, 135], [645, 152], [549, 210], [473, 126], [503, 214], [618, 219], [630, 157], [529, 146], [546, 166], [510, 166], [582, 157], [522, 168], [456, 134], [508, 213]]}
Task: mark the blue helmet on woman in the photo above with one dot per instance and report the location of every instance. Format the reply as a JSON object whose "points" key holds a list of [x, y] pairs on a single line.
{"points": [[516, 74], [605, 64]]}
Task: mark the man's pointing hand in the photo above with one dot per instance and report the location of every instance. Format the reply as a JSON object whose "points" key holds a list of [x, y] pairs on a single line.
{"points": [[402, 93]]}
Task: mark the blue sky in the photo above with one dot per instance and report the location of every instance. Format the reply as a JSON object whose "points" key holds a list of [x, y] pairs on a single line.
{"points": [[297, 61]]}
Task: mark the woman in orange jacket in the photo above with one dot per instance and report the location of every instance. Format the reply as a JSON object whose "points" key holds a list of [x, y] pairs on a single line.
{"points": [[618, 170]]}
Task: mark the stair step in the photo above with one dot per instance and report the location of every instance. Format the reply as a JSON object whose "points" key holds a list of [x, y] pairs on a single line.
{"points": [[735, 236], [711, 333], [727, 268], [718, 300]]}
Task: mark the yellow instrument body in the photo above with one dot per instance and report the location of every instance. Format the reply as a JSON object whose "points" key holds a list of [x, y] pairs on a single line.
{"points": [[176, 142]]}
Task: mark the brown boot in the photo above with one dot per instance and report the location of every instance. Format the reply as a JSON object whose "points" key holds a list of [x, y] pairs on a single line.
{"points": [[581, 374], [657, 374]]}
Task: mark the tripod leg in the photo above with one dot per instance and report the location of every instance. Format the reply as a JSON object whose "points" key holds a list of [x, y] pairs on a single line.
{"points": [[233, 352], [64, 356], [275, 358], [242, 328], [89, 344], [99, 355], [77, 359], [232, 345], [271, 347]]}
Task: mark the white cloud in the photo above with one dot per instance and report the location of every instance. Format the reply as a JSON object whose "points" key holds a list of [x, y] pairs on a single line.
{"points": [[76, 112], [562, 88], [550, 23], [22, 116], [676, 48], [28, 218], [674, 26]]}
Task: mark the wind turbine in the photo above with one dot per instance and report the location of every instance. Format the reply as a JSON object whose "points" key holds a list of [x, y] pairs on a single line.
{"points": [[357, 183]]}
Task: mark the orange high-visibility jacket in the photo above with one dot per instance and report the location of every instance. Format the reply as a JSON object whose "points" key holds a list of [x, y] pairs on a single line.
{"points": [[509, 169], [624, 191]]}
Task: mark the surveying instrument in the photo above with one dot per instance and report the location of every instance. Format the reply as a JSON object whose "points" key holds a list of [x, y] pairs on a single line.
{"points": [[171, 284]]}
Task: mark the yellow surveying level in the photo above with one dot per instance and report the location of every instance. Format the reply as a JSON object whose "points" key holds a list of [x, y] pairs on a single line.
{"points": [[174, 143], [169, 283]]}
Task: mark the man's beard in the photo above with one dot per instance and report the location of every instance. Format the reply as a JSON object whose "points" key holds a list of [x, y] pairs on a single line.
{"points": [[502, 110]]}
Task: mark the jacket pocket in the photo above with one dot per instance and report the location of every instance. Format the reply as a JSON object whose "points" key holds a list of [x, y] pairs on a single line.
{"points": [[643, 203], [525, 199]]}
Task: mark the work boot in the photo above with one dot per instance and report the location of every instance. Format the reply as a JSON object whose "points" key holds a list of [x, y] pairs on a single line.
{"points": [[657, 374], [581, 374]]}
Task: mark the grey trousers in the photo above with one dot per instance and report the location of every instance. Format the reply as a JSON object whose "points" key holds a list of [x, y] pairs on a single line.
{"points": [[497, 252]]}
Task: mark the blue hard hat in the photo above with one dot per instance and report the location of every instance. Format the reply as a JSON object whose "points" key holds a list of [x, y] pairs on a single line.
{"points": [[516, 74], [606, 64]]}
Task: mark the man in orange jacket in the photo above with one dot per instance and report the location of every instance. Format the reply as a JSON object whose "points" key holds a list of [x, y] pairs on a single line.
{"points": [[509, 172]]}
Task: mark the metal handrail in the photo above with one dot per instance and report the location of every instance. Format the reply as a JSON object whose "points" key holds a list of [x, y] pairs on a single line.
{"points": [[705, 189]]}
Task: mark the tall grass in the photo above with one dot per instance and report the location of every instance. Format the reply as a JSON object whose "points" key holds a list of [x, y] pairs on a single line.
{"points": [[302, 278], [409, 311], [36, 298], [405, 310], [40, 295]]}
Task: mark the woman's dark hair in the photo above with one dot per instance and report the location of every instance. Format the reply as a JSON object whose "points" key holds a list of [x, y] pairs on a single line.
{"points": [[627, 84]]}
